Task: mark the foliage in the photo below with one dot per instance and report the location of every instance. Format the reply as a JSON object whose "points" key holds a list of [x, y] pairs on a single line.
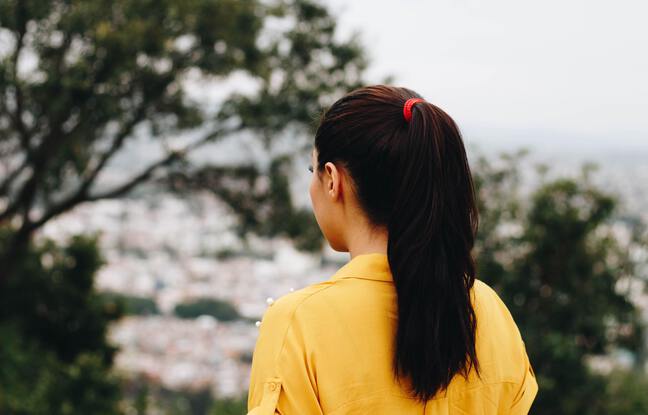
{"points": [[230, 406], [129, 304], [80, 79], [219, 309], [158, 399], [557, 265], [53, 300], [262, 202], [55, 358], [626, 393]]}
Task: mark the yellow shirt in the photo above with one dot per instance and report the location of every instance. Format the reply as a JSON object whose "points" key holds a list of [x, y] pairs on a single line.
{"points": [[327, 349]]}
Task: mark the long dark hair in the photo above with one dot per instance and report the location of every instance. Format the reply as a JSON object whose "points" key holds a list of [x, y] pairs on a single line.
{"points": [[414, 179]]}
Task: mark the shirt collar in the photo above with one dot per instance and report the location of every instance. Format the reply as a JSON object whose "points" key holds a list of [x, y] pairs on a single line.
{"points": [[373, 266]]}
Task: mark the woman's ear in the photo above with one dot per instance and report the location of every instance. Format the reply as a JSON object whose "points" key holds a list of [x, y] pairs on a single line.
{"points": [[334, 180]]}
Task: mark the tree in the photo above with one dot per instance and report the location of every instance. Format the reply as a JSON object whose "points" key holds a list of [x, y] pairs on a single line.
{"points": [[557, 266], [54, 352], [130, 304], [230, 406], [80, 79], [262, 202], [219, 309]]}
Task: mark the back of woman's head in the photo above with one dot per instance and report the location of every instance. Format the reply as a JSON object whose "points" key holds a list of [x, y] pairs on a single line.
{"points": [[413, 178]]}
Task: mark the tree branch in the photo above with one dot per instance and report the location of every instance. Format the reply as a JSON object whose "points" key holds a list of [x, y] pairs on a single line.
{"points": [[16, 116], [117, 143], [82, 194], [6, 183]]}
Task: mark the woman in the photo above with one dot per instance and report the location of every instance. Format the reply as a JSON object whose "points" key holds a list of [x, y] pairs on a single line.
{"points": [[404, 327]]}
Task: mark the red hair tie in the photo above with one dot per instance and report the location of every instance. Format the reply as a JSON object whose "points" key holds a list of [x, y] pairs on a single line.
{"points": [[407, 108]]}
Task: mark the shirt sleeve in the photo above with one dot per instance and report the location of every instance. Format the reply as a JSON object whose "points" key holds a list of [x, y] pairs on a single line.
{"points": [[282, 380], [527, 392]]}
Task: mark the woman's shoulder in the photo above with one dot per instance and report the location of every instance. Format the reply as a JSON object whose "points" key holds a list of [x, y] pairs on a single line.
{"points": [[495, 316], [286, 308], [487, 300], [498, 336]]}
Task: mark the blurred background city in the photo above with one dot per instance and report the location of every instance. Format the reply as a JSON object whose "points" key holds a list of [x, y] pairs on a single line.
{"points": [[154, 185]]}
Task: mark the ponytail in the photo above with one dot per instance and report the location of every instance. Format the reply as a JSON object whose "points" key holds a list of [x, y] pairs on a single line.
{"points": [[413, 177], [431, 232]]}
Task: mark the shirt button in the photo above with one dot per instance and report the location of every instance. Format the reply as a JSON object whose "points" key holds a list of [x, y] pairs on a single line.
{"points": [[273, 386]]}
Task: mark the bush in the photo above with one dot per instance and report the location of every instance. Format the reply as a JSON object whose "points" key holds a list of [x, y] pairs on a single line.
{"points": [[54, 353], [627, 393], [130, 305], [219, 309]]}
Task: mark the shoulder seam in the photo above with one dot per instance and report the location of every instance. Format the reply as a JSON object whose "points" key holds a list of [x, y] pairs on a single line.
{"points": [[292, 315]]}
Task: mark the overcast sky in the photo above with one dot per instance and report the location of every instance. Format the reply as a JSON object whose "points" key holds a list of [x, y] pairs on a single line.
{"points": [[574, 73]]}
